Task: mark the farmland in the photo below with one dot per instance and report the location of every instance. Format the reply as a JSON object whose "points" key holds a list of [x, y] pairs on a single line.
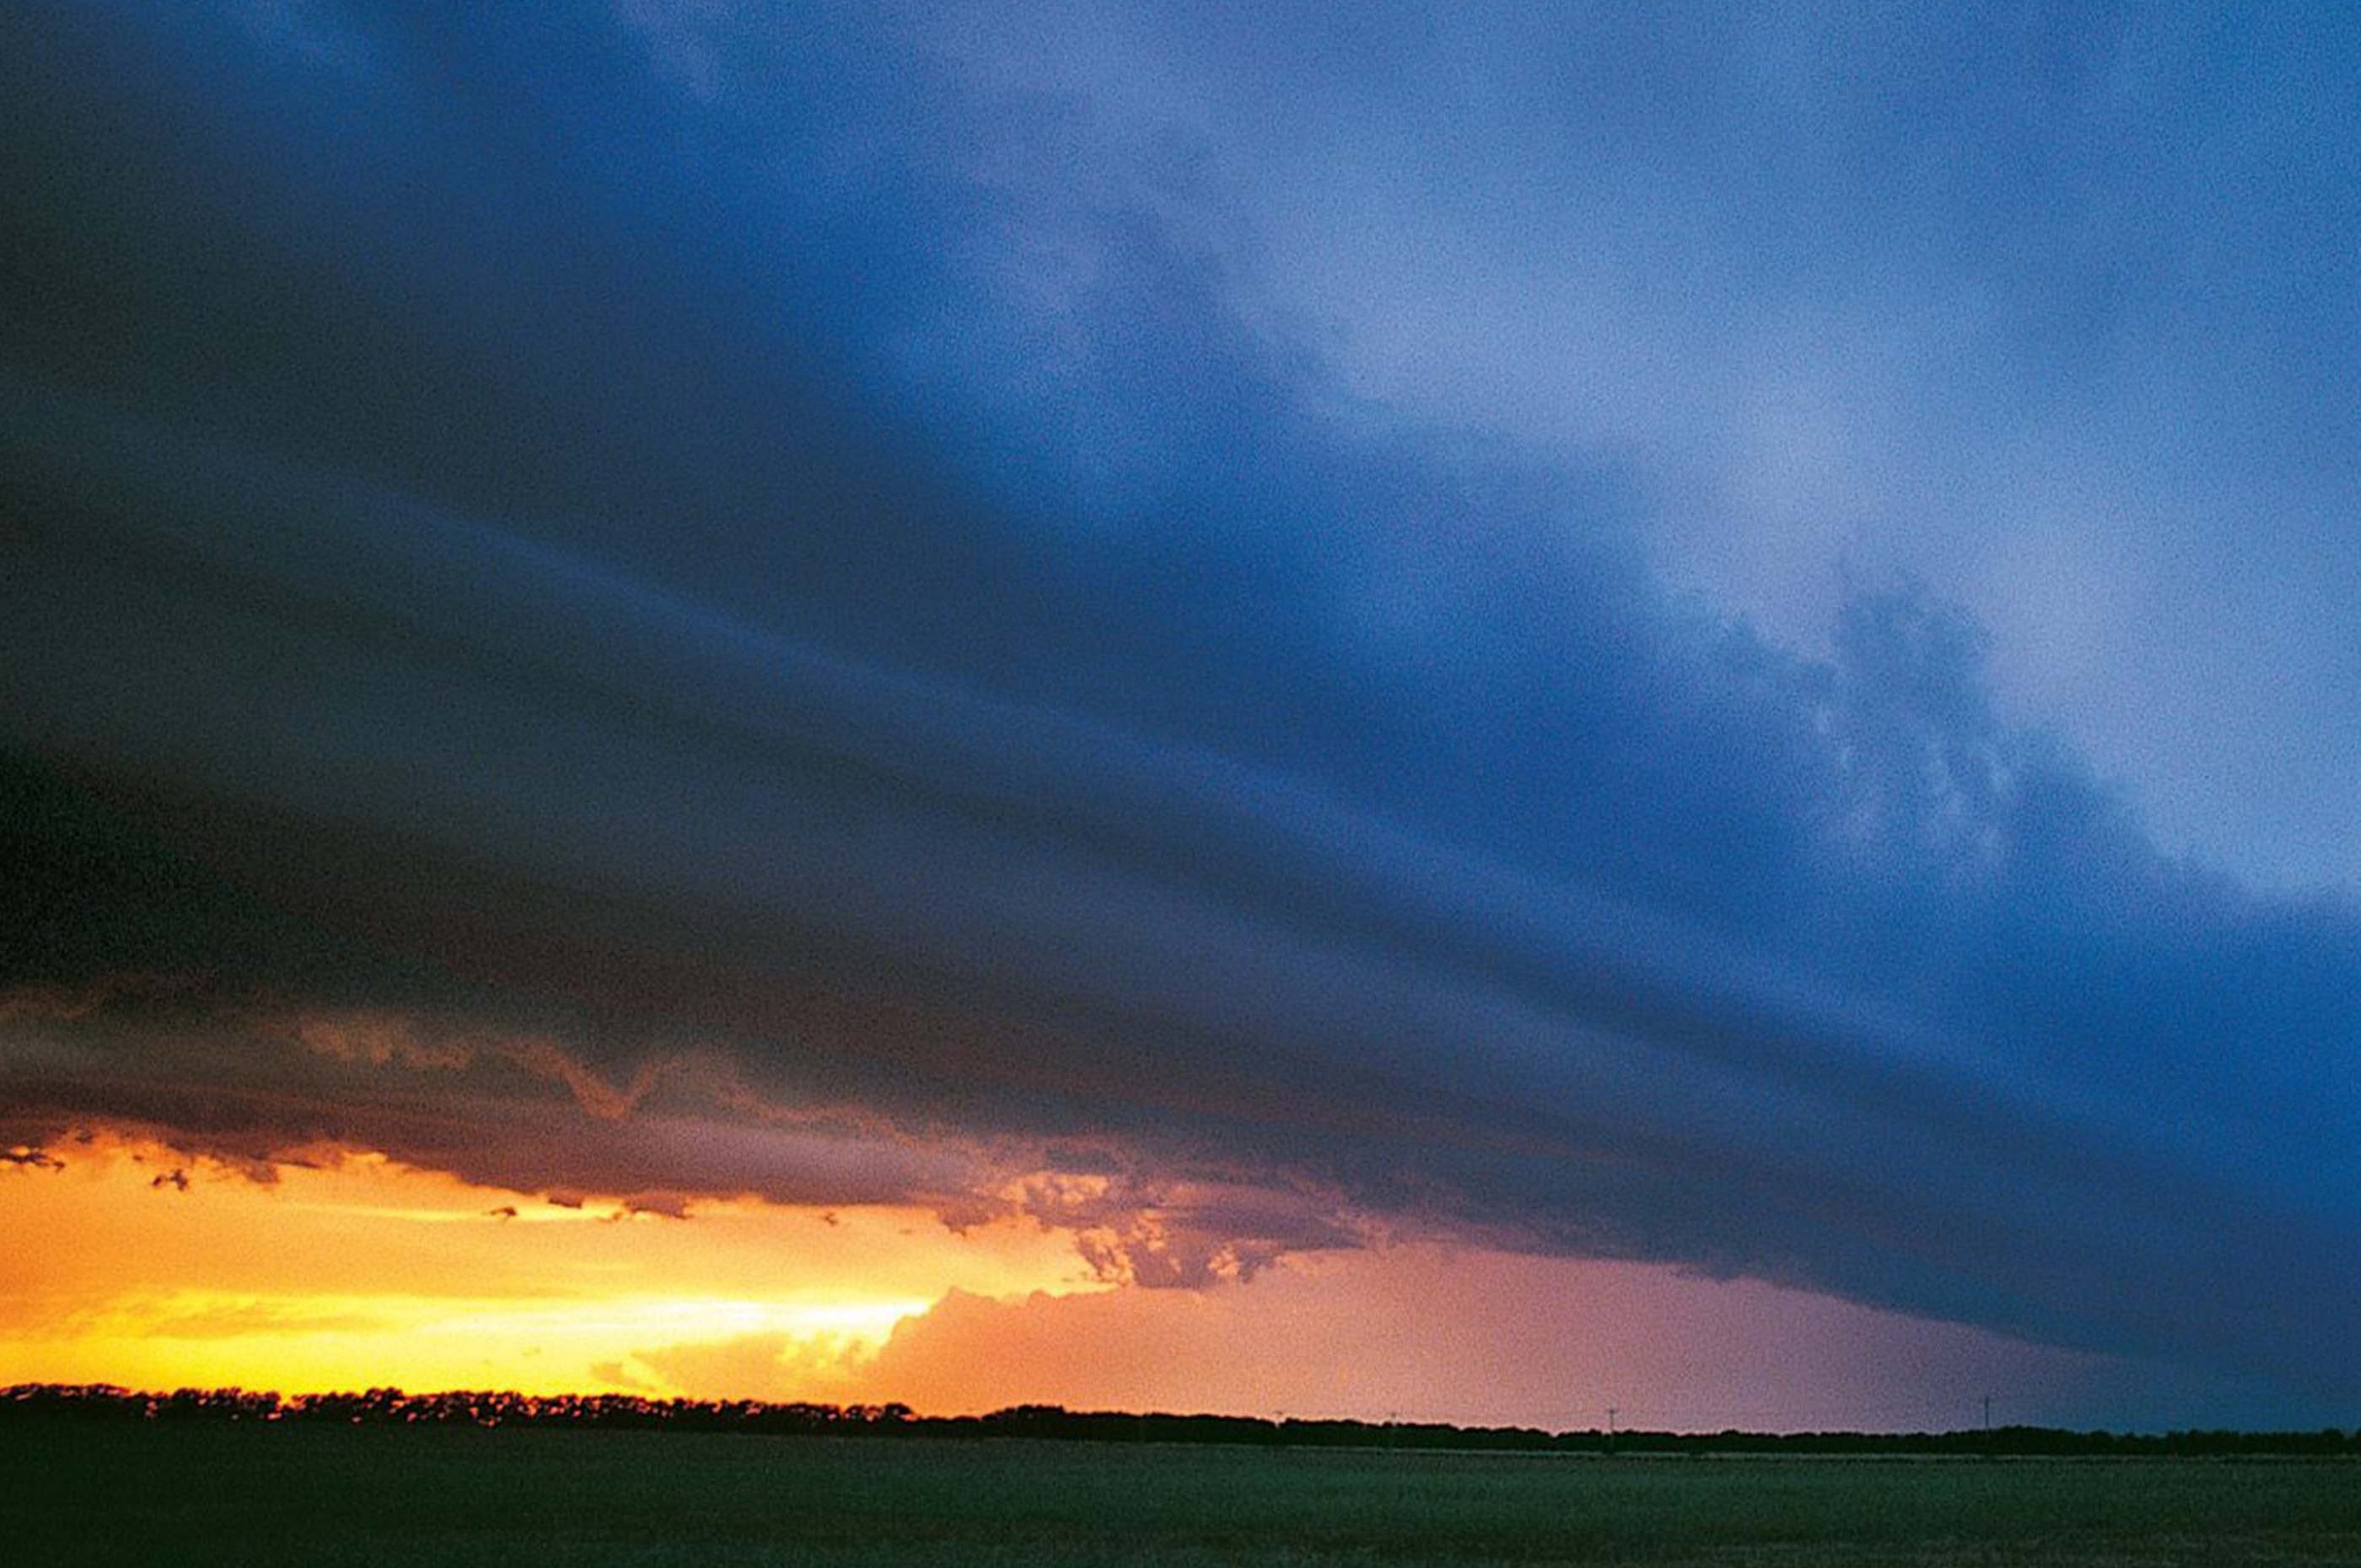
{"points": [[251, 1492]]}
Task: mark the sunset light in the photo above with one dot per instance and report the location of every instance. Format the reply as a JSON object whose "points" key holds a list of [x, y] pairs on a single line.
{"points": [[133, 1265]]}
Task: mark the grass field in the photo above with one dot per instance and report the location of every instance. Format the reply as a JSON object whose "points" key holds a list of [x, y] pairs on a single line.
{"points": [[222, 1494]]}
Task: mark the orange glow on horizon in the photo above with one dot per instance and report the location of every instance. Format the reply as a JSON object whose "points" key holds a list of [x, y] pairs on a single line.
{"points": [[132, 1265]]}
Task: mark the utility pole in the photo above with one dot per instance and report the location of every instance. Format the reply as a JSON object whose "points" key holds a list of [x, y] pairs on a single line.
{"points": [[1987, 1412], [1610, 1429]]}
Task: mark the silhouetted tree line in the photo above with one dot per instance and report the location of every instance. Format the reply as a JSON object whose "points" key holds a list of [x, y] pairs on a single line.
{"points": [[44, 1402], [484, 1407]]}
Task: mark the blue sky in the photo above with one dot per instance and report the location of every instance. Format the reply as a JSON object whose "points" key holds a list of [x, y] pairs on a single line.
{"points": [[1714, 641]]}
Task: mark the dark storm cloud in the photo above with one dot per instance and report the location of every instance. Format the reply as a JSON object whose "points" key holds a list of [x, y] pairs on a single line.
{"points": [[711, 526]]}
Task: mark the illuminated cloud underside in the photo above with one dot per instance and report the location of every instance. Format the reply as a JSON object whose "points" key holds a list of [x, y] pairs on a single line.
{"points": [[133, 1265]]}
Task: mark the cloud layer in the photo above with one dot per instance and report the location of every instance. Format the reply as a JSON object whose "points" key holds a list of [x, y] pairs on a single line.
{"points": [[723, 534]]}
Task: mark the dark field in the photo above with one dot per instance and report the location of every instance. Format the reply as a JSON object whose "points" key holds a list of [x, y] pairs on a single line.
{"points": [[109, 1492]]}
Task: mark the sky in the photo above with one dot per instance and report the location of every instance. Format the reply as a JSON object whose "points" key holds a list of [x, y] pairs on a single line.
{"points": [[1469, 712]]}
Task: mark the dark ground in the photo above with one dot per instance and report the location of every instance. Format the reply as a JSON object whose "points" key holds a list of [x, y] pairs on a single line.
{"points": [[248, 1493]]}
